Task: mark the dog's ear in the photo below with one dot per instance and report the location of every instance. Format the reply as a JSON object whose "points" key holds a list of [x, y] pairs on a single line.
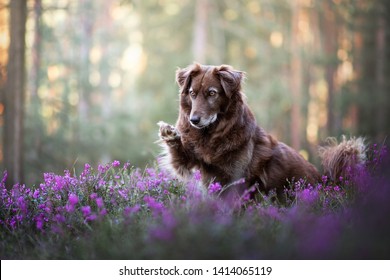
{"points": [[230, 79], [183, 76]]}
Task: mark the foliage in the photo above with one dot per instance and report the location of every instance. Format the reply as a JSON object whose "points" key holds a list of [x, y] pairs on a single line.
{"points": [[121, 212]]}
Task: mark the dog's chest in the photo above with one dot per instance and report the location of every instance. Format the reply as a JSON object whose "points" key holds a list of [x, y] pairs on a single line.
{"points": [[200, 148], [202, 151]]}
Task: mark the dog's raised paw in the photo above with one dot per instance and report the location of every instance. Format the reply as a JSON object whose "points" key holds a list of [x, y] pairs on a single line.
{"points": [[168, 132]]}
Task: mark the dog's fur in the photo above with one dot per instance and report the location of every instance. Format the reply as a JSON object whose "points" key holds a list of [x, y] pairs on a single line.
{"points": [[216, 133]]}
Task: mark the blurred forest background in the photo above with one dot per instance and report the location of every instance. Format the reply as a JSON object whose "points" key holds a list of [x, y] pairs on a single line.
{"points": [[87, 80]]}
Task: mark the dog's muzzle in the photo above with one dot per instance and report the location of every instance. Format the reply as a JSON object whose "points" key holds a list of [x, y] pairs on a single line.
{"points": [[199, 122]]}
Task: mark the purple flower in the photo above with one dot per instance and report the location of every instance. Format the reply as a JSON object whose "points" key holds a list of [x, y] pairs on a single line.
{"points": [[4, 179], [73, 199], [273, 212], [12, 223], [22, 204], [87, 168], [122, 194], [141, 185], [39, 222], [153, 204], [69, 208], [60, 218], [101, 183], [103, 168], [59, 183], [99, 202], [308, 196], [116, 163], [36, 194], [86, 172], [215, 187], [86, 210], [197, 176], [131, 210], [103, 212], [91, 217]]}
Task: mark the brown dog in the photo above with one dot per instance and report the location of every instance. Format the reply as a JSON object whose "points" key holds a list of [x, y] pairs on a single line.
{"points": [[216, 133]]}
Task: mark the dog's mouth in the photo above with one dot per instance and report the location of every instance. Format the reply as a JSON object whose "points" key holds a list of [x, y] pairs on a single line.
{"points": [[203, 123]]}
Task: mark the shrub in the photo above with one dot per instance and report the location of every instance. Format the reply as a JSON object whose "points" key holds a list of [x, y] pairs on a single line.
{"points": [[121, 212]]}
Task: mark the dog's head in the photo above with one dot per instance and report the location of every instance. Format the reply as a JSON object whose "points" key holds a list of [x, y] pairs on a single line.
{"points": [[207, 91]]}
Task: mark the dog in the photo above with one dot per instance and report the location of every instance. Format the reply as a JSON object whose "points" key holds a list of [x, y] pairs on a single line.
{"points": [[217, 133]]}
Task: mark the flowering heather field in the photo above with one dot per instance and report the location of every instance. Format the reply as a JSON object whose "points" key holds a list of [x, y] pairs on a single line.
{"points": [[120, 212]]}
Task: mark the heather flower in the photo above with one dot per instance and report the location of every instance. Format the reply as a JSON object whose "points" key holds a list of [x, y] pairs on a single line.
{"points": [[153, 204], [103, 212], [116, 163], [126, 165], [91, 217], [99, 202], [131, 210], [36, 194], [39, 222], [86, 172], [22, 204], [12, 223], [308, 196], [87, 168], [73, 199], [273, 212], [215, 187], [245, 197], [4, 179], [141, 185], [197, 176], [59, 183], [69, 208], [103, 168], [122, 193], [60, 218], [86, 210], [101, 183]]}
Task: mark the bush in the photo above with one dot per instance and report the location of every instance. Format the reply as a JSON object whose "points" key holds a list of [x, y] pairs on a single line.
{"points": [[121, 212]]}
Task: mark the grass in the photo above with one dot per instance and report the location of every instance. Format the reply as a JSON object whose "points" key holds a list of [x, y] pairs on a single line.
{"points": [[121, 212]]}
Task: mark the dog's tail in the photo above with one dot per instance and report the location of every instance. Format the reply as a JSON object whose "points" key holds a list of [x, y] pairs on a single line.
{"points": [[342, 160]]}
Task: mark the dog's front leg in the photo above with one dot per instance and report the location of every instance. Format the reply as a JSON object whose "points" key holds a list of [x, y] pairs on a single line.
{"points": [[176, 158]]}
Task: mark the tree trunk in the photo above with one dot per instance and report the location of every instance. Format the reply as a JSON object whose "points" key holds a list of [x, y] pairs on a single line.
{"points": [[36, 53], [295, 78], [200, 31], [14, 94], [381, 101], [86, 26], [330, 46]]}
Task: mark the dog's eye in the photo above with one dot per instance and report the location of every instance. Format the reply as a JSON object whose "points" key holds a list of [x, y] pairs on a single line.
{"points": [[212, 92], [192, 93]]}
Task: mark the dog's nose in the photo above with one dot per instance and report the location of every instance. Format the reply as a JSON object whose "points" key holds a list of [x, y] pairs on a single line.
{"points": [[195, 120]]}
